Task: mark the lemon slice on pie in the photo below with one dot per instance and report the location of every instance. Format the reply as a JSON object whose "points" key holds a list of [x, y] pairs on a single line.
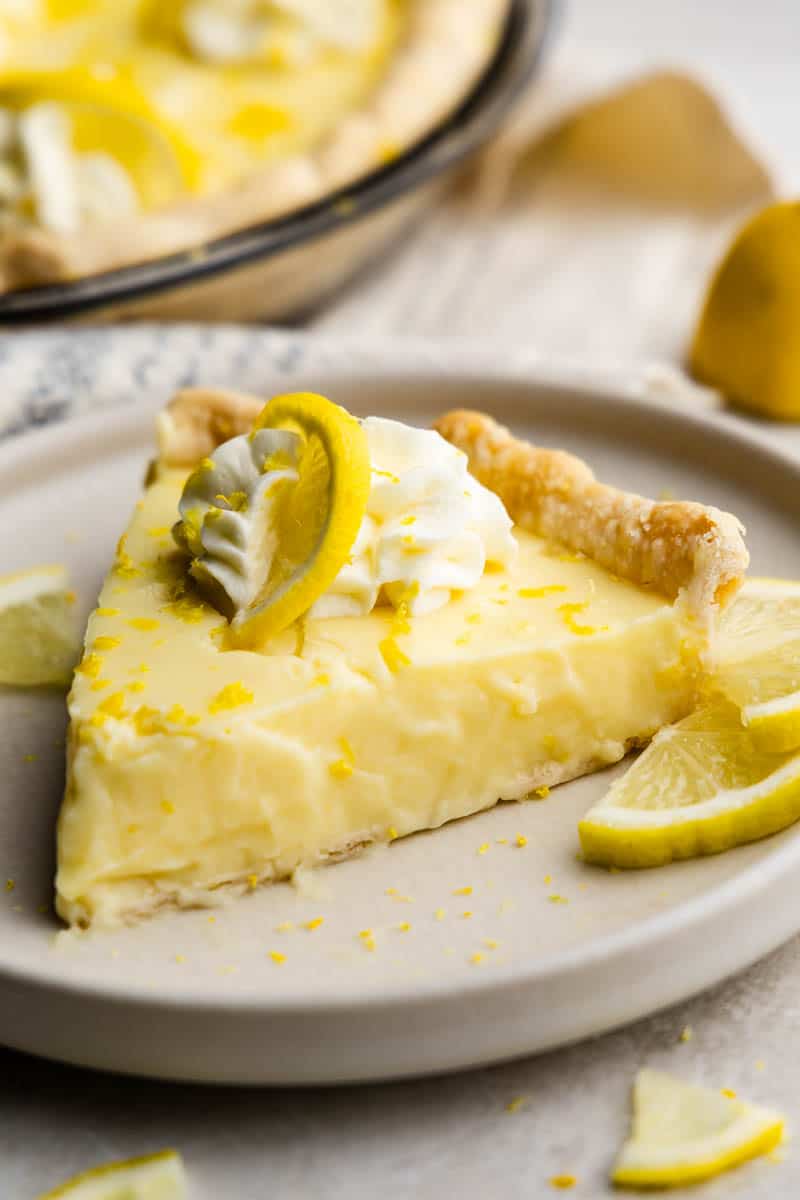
{"points": [[154, 1177], [683, 1134], [759, 654], [701, 786], [301, 514], [38, 640]]}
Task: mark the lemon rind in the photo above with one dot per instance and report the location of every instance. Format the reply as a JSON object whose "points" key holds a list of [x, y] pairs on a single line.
{"points": [[116, 1172]]}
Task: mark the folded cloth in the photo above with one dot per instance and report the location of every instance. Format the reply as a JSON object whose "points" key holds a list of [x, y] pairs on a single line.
{"points": [[587, 229]]}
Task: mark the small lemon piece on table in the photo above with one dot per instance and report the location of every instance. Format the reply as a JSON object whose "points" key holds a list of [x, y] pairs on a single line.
{"points": [[683, 1134], [154, 1177], [747, 340], [38, 638]]}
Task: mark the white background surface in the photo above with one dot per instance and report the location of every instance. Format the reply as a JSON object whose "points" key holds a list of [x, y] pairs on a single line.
{"points": [[453, 1136]]}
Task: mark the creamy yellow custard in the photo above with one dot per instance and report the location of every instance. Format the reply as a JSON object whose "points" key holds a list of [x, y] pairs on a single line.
{"points": [[193, 766], [222, 117]]}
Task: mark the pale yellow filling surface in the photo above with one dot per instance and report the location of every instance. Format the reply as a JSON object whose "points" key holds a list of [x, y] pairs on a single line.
{"points": [[195, 766], [221, 120]]}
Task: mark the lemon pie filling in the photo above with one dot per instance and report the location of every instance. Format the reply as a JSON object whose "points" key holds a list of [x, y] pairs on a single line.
{"points": [[194, 767]]}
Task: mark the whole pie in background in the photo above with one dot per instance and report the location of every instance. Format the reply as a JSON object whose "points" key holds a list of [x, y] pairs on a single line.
{"points": [[130, 129]]}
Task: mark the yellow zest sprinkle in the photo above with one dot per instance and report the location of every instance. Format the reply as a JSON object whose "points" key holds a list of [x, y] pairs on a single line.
{"points": [[392, 655], [563, 1182], [113, 706], [466, 914], [729, 1093], [367, 939], [186, 609], [100, 685], [180, 958], [541, 793], [344, 766], [386, 475], [278, 958], [235, 695], [366, 934], [391, 892], [108, 612], [236, 502], [502, 841], [106, 643], [556, 899], [133, 829], [322, 680], [404, 926], [686, 1034], [521, 840], [569, 613], [158, 531], [537, 593], [516, 1104], [70, 596], [409, 521], [439, 914], [548, 878], [388, 150], [167, 807], [252, 882], [124, 565], [212, 920], [179, 716], [315, 924], [393, 834], [473, 619], [30, 758], [10, 885], [284, 927], [476, 958], [484, 849], [464, 891], [463, 640], [206, 464], [146, 624], [143, 668], [136, 686]]}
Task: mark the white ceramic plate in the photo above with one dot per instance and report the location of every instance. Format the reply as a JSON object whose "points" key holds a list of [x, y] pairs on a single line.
{"points": [[186, 997]]}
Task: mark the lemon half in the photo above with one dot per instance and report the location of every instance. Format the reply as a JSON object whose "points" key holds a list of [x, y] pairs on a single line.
{"points": [[38, 638], [318, 519], [683, 1134], [154, 1177]]}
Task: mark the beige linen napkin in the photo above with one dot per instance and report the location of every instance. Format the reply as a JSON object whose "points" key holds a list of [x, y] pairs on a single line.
{"points": [[586, 231]]}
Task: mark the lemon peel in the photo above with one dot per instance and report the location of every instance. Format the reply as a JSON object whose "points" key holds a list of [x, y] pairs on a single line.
{"points": [[151, 1177], [683, 1133], [38, 639]]}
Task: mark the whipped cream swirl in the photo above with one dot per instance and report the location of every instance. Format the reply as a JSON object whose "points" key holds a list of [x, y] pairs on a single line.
{"points": [[231, 31], [429, 530]]}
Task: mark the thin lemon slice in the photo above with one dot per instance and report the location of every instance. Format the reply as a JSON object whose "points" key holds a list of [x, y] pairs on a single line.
{"points": [[318, 519], [700, 787], [746, 341], [154, 1177], [38, 638], [759, 661], [683, 1133]]}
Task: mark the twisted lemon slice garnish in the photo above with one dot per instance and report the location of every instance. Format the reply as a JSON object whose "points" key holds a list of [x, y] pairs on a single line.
{"points": [[271, 518]]}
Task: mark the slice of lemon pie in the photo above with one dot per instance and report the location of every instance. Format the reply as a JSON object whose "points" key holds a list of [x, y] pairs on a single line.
{"points": [[320, 633]]}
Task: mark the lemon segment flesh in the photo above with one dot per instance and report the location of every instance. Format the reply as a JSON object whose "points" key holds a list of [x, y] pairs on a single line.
{"points": [[154, 1177], [317, 520], [759, 661], [702, 786], [747, 340], [39, 645], [683, 1134]]}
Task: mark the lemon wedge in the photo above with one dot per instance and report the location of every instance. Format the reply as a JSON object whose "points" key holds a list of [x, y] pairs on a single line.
{"points": [[317, 520], [154, 1177], [747, 340], [38, 638], [700, 787], [683, 1134], [759, 661]]}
